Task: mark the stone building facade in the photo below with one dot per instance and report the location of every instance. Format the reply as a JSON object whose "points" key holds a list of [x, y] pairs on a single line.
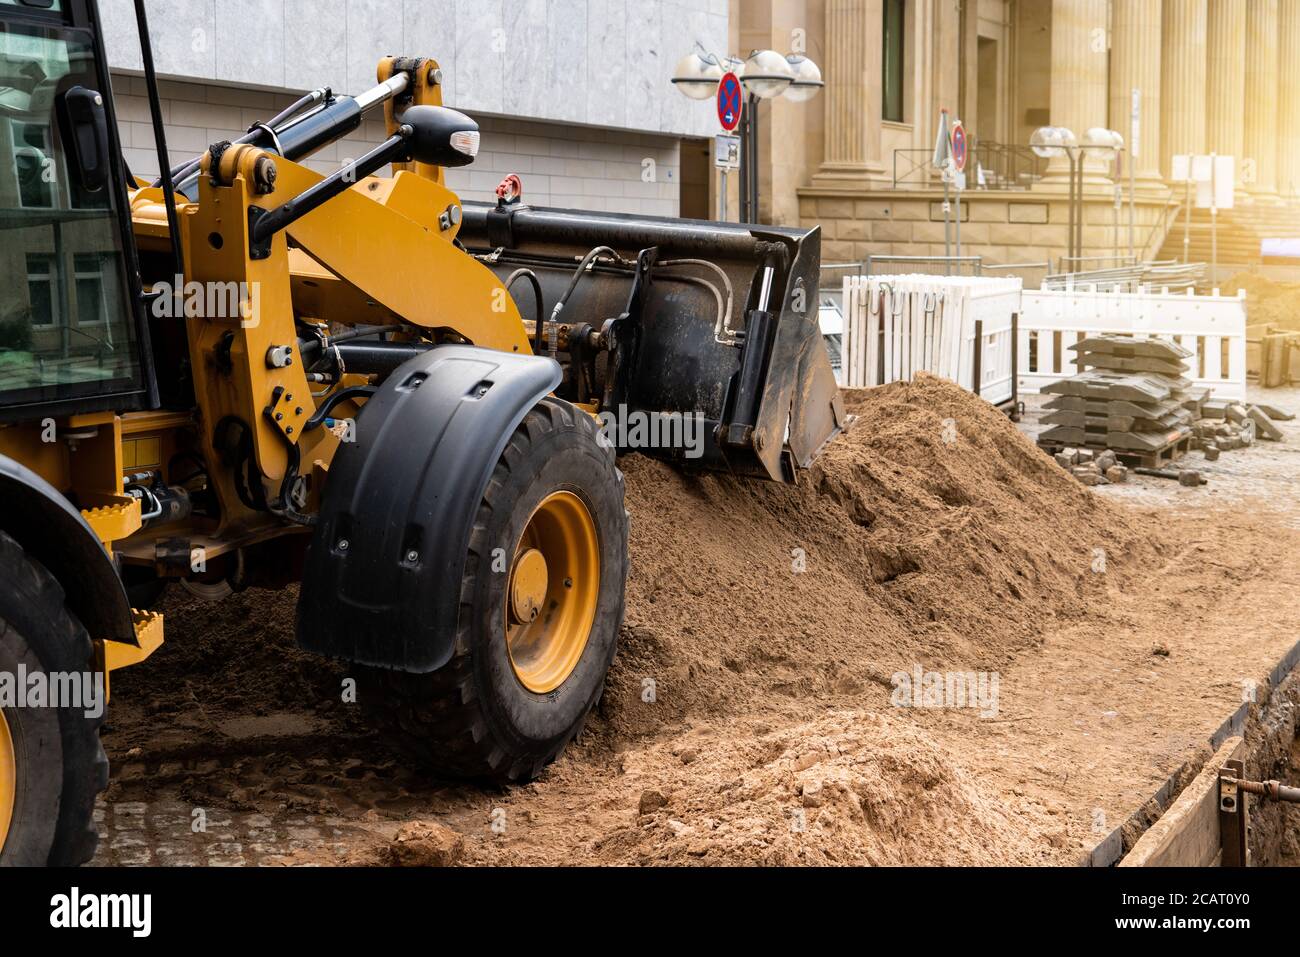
{"points": [[1213, 76]]}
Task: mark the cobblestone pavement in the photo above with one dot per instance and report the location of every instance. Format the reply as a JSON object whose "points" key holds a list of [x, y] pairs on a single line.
{"points": [[167, 832]]}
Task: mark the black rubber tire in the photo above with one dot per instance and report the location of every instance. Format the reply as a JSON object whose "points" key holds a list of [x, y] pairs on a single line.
{"points": [[61, 764], [473, 718]]}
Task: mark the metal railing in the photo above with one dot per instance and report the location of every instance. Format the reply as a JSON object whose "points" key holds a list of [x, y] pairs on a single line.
{"points": [[831, 280], [931, 265], [1008, 166], [1131, 277], [1066, 264], [917, 171], [844, 269], [1032, 274], [1161, 227], [1005, 167]]}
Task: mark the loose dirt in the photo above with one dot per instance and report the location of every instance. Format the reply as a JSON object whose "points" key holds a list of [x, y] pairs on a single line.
{"points": [[750, 714], [1267, 301]]}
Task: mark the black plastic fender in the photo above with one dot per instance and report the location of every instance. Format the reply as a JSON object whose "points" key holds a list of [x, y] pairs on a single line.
{"points": [[383, 575], [52, 531]]}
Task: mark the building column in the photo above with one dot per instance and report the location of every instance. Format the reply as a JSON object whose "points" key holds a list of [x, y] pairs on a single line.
{"points": [[1288, 99], [1078, 93], [1135, 65], [1261, 100], [1226, 95], [852, 94], [1183, 81]]}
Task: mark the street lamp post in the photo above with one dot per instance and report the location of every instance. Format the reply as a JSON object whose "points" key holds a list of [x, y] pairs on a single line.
{"points": [[1106, 144], [1053, 141], [764, 75]]}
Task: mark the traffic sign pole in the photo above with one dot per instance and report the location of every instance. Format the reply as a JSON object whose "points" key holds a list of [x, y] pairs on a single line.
{"points": [[941, 160], [957, 157], [947, 228], [731, 109], [957, 229], [726, 157]]}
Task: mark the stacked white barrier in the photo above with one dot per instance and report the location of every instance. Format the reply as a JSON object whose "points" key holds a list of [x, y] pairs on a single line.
{"points": [[1212, 327], [896, 326]]}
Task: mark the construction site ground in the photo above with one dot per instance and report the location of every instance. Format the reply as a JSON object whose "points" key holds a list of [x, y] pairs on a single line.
{"points": [[752, 714]]}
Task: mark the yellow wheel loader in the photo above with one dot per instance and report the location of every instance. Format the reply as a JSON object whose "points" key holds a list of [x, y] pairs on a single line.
{"points": [[244, 373]]}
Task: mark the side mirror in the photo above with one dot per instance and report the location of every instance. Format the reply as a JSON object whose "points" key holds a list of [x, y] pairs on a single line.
{"points": [[86, 136], [442, 136]]}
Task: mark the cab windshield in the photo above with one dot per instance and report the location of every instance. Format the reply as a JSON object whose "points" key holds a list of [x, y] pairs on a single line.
{"points": [[66, 326]]}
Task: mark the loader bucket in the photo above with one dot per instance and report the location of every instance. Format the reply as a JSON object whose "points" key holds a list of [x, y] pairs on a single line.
{"points": [[703, 332]]}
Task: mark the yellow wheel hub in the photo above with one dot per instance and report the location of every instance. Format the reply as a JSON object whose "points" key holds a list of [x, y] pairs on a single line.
{"points": [[554, 586], [8, 779], [528, 587]]}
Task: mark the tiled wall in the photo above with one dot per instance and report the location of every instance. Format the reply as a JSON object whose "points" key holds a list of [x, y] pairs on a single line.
{"points": [[560, 165], [602, 63]]}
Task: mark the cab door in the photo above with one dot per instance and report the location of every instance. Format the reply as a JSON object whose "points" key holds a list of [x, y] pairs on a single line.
{"points": [[72, 336]]}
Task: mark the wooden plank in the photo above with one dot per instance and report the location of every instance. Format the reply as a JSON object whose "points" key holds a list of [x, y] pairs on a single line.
{"points": [[930, 308], [893, 336], [851, 357], [848, 341], [915, 337], [965, 344], [945, 337], [855, 359], [887, 337], [1187, 835], [872, 376], [908, 334], [866, 348], [952, 320]]}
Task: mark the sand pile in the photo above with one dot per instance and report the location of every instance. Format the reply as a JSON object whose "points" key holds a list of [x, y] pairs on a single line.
{"points": [[1267, 301], [934, 533], [747, 717], [851, 787]]}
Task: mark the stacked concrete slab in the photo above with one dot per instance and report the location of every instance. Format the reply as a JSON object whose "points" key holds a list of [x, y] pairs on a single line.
{"points": [[1133, 396]]}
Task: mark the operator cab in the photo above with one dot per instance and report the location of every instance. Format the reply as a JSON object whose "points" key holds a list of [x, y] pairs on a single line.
{"points": [[72, 338]]}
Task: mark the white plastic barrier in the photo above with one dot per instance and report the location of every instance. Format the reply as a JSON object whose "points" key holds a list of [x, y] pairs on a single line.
{"points": [[1212, 327], [896, 326]]}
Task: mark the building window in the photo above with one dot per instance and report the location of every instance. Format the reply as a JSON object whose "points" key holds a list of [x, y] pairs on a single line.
{"points": [[41, 276], [891, 60], [91, 298]]}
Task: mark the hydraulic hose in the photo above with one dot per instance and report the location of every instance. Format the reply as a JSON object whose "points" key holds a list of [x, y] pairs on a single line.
{"points": [[531, 276], [577, 276]]}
